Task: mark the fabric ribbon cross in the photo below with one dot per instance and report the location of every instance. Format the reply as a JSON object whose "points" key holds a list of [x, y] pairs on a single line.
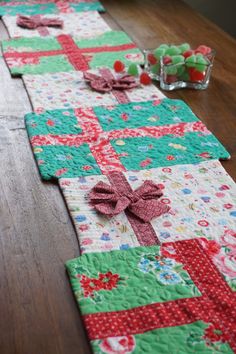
{"points": [[102, 84], [32, 22], [142, 202]]}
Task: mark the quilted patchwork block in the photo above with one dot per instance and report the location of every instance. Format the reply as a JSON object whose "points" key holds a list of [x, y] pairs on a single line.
{"points": [[155, 299], [88, 141], [70, 90], [202, 201], [80, 25], [35, 7], [38, 55]]}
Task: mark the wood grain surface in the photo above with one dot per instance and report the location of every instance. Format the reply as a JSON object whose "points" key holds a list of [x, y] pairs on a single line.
{"points": [[38, 314]]}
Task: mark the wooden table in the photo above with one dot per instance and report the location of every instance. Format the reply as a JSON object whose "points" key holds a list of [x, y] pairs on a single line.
{"points": [[38, 314]]}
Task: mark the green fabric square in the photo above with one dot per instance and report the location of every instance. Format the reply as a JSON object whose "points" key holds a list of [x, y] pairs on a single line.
{"points": [[66, 161], [142, 277], [134, 115], [60, 121], [145, 152]]}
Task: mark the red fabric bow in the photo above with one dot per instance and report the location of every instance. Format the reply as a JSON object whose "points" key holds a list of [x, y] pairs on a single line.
{"points": [[142, 202], [102, 84], [32, 22]]}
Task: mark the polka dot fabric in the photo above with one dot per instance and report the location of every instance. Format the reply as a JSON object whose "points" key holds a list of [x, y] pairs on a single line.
{"points": [[128, 298]]}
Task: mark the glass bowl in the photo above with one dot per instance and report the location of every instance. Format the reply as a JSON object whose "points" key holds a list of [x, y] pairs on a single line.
{"points": [[180, 75]]}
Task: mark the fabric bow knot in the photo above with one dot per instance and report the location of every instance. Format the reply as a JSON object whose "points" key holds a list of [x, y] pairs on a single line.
{"points": [[32, 22], [142, 202], [102, 84]]}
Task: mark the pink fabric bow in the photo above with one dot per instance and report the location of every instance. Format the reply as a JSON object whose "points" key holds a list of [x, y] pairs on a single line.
{"points": [[142, 202], [102, 84], [32, 22]]}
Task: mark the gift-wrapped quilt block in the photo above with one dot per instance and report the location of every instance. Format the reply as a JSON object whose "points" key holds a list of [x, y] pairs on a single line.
{"points": [[201, 201], [132, 136], [63, 53], [35, 7], [154, 300], [71, 90], [79, 25]]}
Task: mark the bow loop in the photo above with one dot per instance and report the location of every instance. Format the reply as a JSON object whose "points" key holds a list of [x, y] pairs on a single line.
{"points": [[142, 202], [32, 22], [103, 84]]}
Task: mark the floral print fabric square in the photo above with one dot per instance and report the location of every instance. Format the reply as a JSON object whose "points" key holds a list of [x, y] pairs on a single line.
{"points": [[63, 53], [80, 25], [87, 141], [35, 7], [202, 201], [130, 298], [70, 90]]}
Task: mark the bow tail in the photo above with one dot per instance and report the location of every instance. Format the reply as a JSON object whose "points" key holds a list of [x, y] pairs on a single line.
{"points": [[146, 210]]}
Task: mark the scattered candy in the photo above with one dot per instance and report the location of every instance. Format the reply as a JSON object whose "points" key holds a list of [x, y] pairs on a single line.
{"points": [[133, 69], [145, 78], [119, 66]]}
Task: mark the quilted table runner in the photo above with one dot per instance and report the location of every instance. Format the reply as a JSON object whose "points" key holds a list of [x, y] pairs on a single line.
{"points": [[71, 90], [65, 53], [35, 7], [168, 299], [201, 202], [88, 141], [80, 25]]}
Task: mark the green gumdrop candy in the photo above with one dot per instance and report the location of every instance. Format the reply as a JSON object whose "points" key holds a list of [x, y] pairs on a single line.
{"points": [[155, 68], [201, 63], [184, 47], [191, 61], [159, 52], [173, 50], [133, 69], [180, 69], [171, 70], [164, 46], [185, 76], [176, 59]]}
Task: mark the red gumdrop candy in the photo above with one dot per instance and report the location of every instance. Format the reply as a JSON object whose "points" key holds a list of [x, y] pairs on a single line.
{"points": [[167, 60], [203, 49], [145, 79], [152, 59], [188, 53], [170, 79], [196, 75], [119, 66]]}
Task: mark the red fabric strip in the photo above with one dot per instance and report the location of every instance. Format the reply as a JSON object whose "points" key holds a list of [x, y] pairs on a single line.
{"points": [[144, 231], [93, 134], [73, 53]]}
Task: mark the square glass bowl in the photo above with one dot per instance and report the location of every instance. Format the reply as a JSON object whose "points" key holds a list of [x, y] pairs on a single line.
{"points": [[180, 75]]}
